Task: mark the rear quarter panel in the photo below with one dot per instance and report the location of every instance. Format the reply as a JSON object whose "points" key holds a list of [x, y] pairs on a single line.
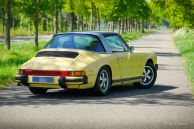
{"points": [[144, 57], [91, 63]]}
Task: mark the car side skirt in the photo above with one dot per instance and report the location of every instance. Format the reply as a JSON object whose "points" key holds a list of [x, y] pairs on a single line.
{"points": [[127, 79]]}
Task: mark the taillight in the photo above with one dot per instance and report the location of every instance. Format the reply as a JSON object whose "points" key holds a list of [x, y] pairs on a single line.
{"points": [[78, 73], [52, 73], [22, 71]]}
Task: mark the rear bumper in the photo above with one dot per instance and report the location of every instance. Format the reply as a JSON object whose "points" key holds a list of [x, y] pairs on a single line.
{"points": [[61, 81], [64, 81], [22, 80]]}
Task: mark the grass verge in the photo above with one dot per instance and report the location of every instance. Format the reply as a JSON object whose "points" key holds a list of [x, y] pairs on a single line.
{"points": [[11, 60], [185, 44], [136, 35]]}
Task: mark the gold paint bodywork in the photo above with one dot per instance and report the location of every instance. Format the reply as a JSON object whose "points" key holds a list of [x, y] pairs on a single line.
{"points": [[122, 64]]}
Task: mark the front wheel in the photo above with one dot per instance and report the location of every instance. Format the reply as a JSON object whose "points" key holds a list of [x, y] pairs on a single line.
{"points": [[149, 76], [35, 90], [103, 82]]}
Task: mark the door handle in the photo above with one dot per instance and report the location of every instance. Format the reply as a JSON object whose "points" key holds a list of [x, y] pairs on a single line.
{"points": [[119, 58]]}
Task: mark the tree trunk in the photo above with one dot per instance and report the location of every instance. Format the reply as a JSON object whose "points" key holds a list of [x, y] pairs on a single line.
{"points": [[123, 25], [52, 23], [139, 25], [71, 26], [13, 21], [130, 24], [47, 23], [146, 24], [108, 25], [36, 23], [119, 25], [98, 15], [62, 21], [3, 20], [30, 25], [113, 26], [7, 36], [86, 24], [71, 16], [78, 23], [56, 18], [82, 23], [92, 15], [21, 21], [142, 26], [126, 24]]}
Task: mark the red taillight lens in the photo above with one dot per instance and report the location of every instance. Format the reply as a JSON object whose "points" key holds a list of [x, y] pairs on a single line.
{"points": [[52, 73]]}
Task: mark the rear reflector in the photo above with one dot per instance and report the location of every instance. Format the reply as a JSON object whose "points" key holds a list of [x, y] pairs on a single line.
{"points": [[51, 73]]}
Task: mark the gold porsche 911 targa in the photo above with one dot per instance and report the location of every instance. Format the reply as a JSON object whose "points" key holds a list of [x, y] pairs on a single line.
{"points": [[82, 60]]}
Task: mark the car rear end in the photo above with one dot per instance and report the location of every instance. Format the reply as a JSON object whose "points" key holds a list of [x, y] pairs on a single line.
{"points": [[50, 68], [51, 78]]}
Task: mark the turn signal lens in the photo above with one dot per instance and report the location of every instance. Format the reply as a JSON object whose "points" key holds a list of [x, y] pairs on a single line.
{"points": [[78, 73]]}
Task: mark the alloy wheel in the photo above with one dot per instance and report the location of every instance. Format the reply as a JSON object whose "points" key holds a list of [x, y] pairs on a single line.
{"points": [[148, 75], [104, 80]]}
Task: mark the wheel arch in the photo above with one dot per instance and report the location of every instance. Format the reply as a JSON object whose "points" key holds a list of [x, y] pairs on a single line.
{"points": [[149, 60], [109, 68]]}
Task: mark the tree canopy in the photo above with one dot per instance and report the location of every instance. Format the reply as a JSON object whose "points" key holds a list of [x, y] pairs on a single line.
{"points": [[179, 13], [53, 16]]}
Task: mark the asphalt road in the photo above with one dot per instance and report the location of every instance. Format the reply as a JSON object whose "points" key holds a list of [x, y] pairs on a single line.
{"points": [[168, 104]]}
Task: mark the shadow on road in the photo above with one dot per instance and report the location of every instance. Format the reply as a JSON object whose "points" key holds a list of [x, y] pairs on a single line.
{"points": [[127, 95], [170, 67], [168, 54]]}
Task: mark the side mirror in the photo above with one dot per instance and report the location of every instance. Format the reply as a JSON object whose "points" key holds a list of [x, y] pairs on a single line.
{"points": [[131, 49]]}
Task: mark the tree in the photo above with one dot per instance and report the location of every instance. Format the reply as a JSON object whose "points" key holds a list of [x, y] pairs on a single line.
{"points": [[7, 36], [55, 7], [117, 15], [36, 22], [177, 12], [2, 11], [33, 9], [69, 7]]}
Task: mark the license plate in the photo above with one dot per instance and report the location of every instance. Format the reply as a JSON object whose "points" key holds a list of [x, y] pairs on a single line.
{"points": [[43, 79]]}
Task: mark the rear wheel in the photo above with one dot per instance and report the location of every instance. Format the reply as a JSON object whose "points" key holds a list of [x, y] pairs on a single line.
{"points": [[149, 76], [103, 82], [35, 90]]}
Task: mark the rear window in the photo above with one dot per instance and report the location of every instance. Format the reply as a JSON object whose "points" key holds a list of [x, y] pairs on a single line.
{"points": [[57, 54], [76, 41]]}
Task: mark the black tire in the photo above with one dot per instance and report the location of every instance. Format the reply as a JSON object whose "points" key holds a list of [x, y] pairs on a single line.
{"points": [[102, 85], [35, 90], [149, 78]]}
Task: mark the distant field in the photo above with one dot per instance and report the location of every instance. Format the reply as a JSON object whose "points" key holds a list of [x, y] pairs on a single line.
{"points": [[186, 46], [23, 51]]}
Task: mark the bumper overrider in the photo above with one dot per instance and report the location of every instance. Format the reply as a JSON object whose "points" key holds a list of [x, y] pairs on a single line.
{"points": [[62, 81], [22, 80]]}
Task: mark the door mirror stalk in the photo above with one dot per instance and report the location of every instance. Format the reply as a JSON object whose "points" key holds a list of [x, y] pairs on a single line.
{"points": [[131, 49]]}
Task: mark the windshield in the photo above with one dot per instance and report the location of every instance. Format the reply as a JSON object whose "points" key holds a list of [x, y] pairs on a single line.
{"points": [[76, 41]]}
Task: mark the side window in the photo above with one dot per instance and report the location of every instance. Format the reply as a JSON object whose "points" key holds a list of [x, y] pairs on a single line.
{"points": [[124, 43], [114, 43], [89, 43]]}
